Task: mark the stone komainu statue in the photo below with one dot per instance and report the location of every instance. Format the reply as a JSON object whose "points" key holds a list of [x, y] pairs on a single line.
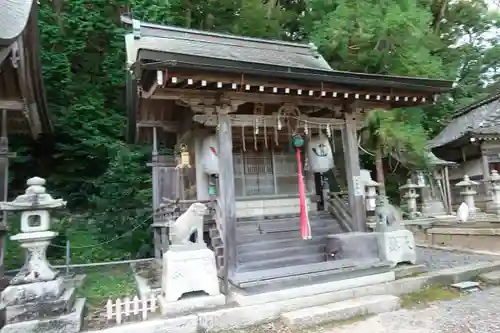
{"points": [[386, 216], [191, 221]]}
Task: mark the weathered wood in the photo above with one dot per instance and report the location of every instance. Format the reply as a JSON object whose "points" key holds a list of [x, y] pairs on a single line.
{"points": [[4, 184], [166, 126], [226, 189], [11, 104], [212, 96], [353, 171], [486, 172]]}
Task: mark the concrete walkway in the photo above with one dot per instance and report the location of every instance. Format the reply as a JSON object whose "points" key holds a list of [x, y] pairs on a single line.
{"points": [[474, 313]]}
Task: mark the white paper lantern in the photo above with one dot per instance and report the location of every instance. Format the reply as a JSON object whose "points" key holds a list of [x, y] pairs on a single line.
{"points": [[320, 154], [210, 155]]}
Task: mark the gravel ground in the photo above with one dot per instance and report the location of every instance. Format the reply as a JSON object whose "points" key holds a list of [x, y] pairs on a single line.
{"points": [[475, 313], [440, 259]]}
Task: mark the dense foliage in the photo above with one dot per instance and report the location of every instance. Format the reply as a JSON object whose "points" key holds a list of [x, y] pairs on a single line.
{"points": [[107, 182]]}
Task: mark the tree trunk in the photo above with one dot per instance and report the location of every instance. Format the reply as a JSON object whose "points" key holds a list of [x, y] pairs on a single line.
{"points": [[379, 166]]}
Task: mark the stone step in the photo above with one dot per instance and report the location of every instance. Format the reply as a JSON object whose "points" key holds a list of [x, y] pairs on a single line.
{"points": [[275, 244], [281, 252], [285, 261], [257, 237], [297, 274], [341, 311]]}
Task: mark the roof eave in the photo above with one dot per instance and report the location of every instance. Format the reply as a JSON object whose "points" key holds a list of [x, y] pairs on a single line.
{"points": [[368, 80]]}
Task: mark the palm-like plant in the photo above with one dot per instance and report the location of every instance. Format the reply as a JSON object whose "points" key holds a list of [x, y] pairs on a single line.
{"points": [[384, 133]]}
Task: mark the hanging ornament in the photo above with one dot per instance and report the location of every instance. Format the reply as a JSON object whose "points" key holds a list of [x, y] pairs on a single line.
{"points": [[256, 126], [279, 123], [243, 138], [184, 162], [306, 129], [328, 131], [276, 136], [265, 134], [255, 132]]}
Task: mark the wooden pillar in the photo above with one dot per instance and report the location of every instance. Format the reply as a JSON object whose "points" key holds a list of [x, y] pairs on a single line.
{"points": [[353, 170], [156, 195], [201, 176], [486, 176], [226, 189], [4, 185]]}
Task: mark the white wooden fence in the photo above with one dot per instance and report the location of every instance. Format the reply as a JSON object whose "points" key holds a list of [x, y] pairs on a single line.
{"points": [[121, 309]]}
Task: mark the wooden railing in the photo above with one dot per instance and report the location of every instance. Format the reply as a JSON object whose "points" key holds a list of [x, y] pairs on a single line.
{"points": [[336, 204]]}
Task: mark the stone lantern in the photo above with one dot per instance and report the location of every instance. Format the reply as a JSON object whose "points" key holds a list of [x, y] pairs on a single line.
{"points": [[371, 187], [495, 191], [37, 294], [467, 191], [411, 196]]}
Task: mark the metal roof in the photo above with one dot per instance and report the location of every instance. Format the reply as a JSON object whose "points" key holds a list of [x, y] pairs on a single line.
{"points": [[201, 49], [480, 118], [230, 47], [14, 15]]}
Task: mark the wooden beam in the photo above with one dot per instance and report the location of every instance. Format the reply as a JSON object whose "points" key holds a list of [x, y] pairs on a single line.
{"points": [[239, 120], [11, 104], [226, 190], [167, 126], [353, 170], [214, 96]]}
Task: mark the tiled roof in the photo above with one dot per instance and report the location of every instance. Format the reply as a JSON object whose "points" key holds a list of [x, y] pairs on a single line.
{"points": [[14, 15], [228, 47], [481, 118]]}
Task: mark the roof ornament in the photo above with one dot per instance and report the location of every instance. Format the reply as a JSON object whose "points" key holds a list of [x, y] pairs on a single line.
{"points": [[136, 28], [314, 50]]}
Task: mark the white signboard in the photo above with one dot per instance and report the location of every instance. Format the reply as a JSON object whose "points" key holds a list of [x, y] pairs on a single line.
{"points": [[359, 190]]}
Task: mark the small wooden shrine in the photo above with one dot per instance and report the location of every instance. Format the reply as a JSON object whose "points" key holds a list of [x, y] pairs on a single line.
{"points": [[472, 140], [23, 108], [233, 103]]}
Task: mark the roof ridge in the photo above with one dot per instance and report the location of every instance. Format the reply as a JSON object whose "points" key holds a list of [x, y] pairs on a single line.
{"points": [[310, 46], [471, 107]]}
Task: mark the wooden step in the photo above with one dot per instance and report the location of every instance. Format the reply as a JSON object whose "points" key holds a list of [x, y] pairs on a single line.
{"points": [[280, 243], [281, 252], [285, 261], [292, 275], [258, 237]]}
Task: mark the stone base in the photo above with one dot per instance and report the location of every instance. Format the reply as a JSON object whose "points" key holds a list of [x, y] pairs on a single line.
{"points": [[187, 270], [354, 245], [397, 246], [40, 310], [69, 323], [188, 305], [33, 292]]}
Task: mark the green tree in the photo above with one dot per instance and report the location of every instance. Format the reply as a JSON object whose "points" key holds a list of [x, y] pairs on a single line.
{"points": [[385, 134]]}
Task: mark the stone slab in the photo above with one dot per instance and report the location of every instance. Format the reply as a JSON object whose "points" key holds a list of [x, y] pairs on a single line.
{"points": [[341, 310], [184, 324], [466, 285], [409, 270], [353, 245], [69, 323], [308, 290], [33, 292], [39, 310], [188, 305], [397, 246], [491, 278], [75, 281]]}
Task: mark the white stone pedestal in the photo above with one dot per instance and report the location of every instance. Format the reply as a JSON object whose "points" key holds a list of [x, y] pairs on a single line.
{"points": [[188, 269], [397, 246]]}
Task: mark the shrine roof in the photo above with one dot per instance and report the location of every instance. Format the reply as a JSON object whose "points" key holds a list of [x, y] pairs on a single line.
{"points": [[475, 120], [21, 82], [153, 45], [15, 14]]}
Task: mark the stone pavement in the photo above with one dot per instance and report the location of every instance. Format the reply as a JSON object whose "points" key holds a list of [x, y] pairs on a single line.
{"points": [[474, 313]]}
